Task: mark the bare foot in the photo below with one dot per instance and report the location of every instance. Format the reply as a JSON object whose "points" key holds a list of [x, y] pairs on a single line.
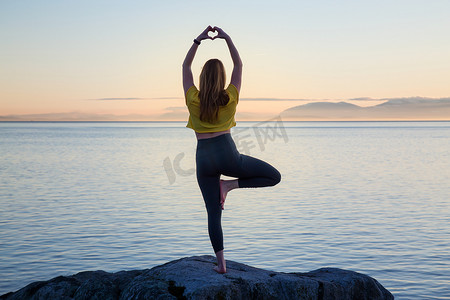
{"points": [[225, 187], [220, 270], [223, 193]]}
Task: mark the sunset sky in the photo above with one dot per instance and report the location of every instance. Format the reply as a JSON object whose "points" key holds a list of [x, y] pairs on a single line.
{"points": [[124, 57]]}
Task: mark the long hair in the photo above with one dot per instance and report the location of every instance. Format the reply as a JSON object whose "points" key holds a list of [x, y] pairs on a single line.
{"points": [[212, 92]]}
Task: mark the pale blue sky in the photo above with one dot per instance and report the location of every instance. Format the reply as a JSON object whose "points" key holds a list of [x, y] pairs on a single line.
{"points": [[55, 55]]}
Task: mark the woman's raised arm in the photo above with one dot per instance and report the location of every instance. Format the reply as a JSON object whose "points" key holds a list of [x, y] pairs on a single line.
{"points": [[188, 79], [236, 76]]}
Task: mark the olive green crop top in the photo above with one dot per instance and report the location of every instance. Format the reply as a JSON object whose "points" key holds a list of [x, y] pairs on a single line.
{"points": [[225, 119]]}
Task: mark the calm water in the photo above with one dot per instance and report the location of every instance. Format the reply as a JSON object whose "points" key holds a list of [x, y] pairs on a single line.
{"points": [[373, 197]]}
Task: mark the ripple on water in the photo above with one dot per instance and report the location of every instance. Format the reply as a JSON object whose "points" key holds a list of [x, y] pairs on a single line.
{"points": [[371, 197]]}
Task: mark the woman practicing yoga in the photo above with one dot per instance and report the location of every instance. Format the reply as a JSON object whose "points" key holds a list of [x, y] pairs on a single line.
{"points": [[211, 115]]}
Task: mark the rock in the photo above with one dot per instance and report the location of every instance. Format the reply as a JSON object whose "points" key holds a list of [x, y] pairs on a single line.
{"points": [[194, 278]]}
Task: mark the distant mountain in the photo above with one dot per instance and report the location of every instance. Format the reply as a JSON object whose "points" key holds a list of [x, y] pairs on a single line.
{"points": [[171, 114], [415, 108]]}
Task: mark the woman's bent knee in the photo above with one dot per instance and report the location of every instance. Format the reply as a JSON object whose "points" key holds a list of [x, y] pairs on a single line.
{"points": [[276, 178]]}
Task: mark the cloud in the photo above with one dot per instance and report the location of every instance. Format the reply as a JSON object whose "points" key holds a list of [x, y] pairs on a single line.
{"points": [[418, 98], [243, 99], [174, 113], [119, 99], [274, 99], [365, 99], [135, 99], [176, 108], [166, 98], [310, 100]]}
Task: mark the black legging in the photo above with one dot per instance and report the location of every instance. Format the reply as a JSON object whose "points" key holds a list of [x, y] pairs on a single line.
{"points": [[216, 156]]}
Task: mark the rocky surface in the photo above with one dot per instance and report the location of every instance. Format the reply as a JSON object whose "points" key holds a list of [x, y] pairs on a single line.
{"points": [[194, 278]]}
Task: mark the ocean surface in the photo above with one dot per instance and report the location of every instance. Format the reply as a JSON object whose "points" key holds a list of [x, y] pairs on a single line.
{"points": [[372, 197]]}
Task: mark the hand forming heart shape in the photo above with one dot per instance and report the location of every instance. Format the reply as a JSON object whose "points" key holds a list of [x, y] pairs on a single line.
{"points": [[213, 33]]}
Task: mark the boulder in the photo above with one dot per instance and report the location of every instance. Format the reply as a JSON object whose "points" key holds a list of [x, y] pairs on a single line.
{"points": [[194, 278]]}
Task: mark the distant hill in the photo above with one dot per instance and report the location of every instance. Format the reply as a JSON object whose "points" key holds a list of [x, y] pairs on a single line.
{"points": [[415, 108]]}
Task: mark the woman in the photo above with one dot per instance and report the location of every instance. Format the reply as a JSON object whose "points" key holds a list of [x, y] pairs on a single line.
{"points": [[211, 115]]}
